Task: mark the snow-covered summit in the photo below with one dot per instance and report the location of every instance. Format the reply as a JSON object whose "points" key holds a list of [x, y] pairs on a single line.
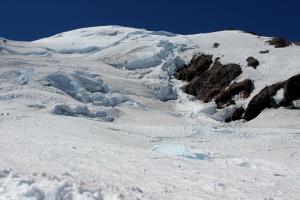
{"points": [[96, 113]]}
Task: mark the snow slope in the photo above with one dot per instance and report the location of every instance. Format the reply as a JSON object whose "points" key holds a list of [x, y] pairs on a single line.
{"points": [[96, 114]]}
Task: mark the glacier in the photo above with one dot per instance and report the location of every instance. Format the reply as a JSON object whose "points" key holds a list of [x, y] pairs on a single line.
{"points": [[96, 113]]}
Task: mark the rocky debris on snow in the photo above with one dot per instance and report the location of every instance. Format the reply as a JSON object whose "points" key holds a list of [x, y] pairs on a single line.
{"points": [[225, 96], [198, 65], [208, 84], [264, 99], [279, 42], [216, 45], [252, 62], [264, 51], [291, 90]]}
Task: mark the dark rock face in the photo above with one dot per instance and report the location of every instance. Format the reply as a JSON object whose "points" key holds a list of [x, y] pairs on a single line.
{"points": [[264, 99], [292, 90], [264, 52], [225, 96], [279, 42], [206, 86], [197, 66], [297, 43], [252, 62]]}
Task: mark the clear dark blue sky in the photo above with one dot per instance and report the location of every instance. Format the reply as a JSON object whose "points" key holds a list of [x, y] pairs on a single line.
{"points": [[33, 19]]}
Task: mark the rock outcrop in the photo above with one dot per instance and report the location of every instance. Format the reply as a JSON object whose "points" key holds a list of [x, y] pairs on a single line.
{"points": [[279, 42], [212, 81], [264, 99], [197, 66], [291, 90], [252, 62], [208, 84], [225, 96]]}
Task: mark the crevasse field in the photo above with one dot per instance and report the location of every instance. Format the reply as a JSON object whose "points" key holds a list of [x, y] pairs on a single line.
{"points": [[95, 113]]}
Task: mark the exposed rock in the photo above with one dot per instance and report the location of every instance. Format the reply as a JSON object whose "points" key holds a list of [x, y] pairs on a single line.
{"points": [[225, 96], [292, 90], [237, 115], [252, 62], [198, 65], [279, 42], [297, 43], [264, 99], [211, 94], [264, 52], [216, 45], [209, 83]]}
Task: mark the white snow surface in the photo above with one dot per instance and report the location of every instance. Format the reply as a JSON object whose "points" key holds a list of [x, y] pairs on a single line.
{"points": [[96, 114]]}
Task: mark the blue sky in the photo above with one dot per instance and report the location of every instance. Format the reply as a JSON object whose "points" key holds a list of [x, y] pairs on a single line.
{"points": [[33, 19]]}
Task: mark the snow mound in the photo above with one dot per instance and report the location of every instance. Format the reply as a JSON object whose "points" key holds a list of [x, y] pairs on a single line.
{"points": [[39, 187]]}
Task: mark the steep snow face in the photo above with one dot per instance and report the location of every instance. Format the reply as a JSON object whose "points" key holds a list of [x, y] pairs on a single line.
{"points": [[96, 114]]}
